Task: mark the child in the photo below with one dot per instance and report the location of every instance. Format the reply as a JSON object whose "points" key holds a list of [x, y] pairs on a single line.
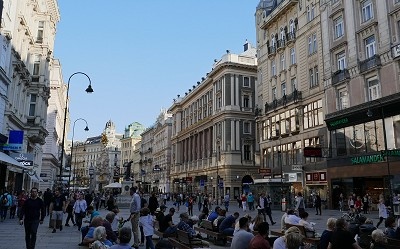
{"points": [[118, 221], [147, 222]]}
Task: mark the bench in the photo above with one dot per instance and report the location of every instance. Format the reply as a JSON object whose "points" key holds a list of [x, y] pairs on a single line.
{"points": [[160, 234], [208, 228], [184, 241]]}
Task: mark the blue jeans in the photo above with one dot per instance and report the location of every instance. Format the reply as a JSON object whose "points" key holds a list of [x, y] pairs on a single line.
{"points": [[4, 210], [171, 230], [149, 242], [31, 227]]}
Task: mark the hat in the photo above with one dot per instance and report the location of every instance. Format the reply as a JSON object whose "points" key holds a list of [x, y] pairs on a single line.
{"points": [[163, 207]]}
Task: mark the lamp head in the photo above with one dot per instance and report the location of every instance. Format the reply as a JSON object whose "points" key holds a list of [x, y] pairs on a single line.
{"points": [[86, 128], [89, 89]]}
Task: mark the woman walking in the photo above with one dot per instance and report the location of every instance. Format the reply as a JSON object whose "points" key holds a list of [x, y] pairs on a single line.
{"points": [[382, 212]]}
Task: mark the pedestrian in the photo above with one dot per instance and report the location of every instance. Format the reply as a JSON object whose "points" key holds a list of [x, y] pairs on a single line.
{"points": [[153, 203], [318, 204], [22, 197], [300, 206], [268, 211], [70, 210], [200, 201], [226, 201], [341, 202], [47, 200], [32, 214], [146, 220], [190, 206], [244, 202], [79, 208], [382, 211], [14, 204], [261, 205], [124, 238], [96, 201], [6, 202], [239, 200], [250, 201], [134, 217], [110, 203], [365, 204], [57, 209], [102, 201]]}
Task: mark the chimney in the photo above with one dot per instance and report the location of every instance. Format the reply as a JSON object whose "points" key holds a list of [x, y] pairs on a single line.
{"points": [[246, 46]]}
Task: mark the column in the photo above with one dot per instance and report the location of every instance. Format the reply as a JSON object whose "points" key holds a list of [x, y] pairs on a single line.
{"points": [[233, 140], [237, 139], [236, 80]]}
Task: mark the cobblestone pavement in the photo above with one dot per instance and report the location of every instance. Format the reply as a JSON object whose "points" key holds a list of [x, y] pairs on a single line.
{"points": [[12, 234]]}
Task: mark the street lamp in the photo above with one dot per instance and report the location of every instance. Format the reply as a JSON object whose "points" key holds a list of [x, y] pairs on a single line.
{"points": [[89, 89], [72, 149], [91, 173], [370, 114]]}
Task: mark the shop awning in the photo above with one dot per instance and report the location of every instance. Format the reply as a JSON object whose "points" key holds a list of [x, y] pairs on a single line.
{"points": [[7, 159]]}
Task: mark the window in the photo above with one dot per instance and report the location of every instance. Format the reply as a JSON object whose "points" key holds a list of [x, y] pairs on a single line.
{"points": [[294, 120], [266, 130], [291, 26], [273, 41], [343, 99], [315, 42], [283, 64], [282, 34], [273, 93], [339, 27], [273, 68], [341, 60], [366, 10], [246, 127], [308, 13], [39, 37], [310, 48], [247, 152], [246, 101], [36, 65], [312, 11], [313, 115], [312, 142], [370, 46], [32, 105], [312, 44], [246, 82], [373, 88], [313, 77], [219, 102], [294, 84], [283, 88], [292, 56]]}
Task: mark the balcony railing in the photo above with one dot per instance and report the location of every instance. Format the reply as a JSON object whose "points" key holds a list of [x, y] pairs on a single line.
{"points": [[281, 43], [271, 50], [370, 63], [291, 37], [340, 76], [286, 99]]}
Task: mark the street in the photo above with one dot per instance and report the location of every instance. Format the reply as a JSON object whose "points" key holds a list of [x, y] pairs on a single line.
{"points": [[12, 234]]}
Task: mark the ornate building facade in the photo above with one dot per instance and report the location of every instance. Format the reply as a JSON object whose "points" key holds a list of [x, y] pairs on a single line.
{"points": [[213, 130]]}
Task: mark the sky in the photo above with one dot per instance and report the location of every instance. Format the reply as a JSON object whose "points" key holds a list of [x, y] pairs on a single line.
{"points": [[139, 54]]}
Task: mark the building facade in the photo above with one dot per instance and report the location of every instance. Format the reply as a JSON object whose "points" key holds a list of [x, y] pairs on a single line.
{"points": [[146, 160], [213, 133], [27, 36], [362, 42], [291, 118]]}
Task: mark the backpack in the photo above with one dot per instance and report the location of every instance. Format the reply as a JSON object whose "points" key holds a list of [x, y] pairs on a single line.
{"points": [[4, 199]]}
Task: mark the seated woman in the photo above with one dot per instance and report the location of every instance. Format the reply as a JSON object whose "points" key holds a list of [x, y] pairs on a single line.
{"points": [[308, 226], [379, 240], [100, 236], [327, 233], [256, 222]]}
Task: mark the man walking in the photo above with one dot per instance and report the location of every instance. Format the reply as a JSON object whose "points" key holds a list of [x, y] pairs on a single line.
{"points": [[32, 213], [135, 213], [6, 201], [267, 205], [47, 200], [57, 209]]}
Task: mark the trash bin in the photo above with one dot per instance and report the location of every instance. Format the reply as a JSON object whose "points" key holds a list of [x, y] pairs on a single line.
{"points": [[283, 204]]}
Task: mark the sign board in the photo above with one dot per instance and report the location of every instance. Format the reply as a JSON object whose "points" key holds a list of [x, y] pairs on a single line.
{"points": [[264, 170], [15, 140], [316, 177], [297, 167], [396, 51], [24, 158], [312, 152]]}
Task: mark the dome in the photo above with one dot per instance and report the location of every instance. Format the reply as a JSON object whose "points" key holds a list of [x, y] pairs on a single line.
{"points": [[110, 124]]}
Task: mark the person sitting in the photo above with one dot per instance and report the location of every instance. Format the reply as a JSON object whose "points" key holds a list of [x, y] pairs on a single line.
{"points": [[214, 214], [100, 238], [327, 233], [242, 238], [390, 228], [256, 222], [167, 226], [364, 235], [260, 241], [195, 238], [291, 218], [283, 224], [342, 237], [228, 224], [379, 240], [124, 237], [294, 240], [307, 225], [203, 215], [93, 213], [107, 224], [87, 235], [280, 243], [219, 219]]}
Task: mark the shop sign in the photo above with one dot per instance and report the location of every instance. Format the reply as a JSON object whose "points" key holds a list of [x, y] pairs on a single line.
{"points": [[313, 177], [24, 158], [390, 153], [15, 140], [367, 159], [264, 171], [297, 167], [337, 122]]}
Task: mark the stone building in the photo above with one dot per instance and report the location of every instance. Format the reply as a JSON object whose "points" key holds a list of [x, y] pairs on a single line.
{"points": [[146, 160], [213, 130], [28, 31], [290, 64], [361, 77]]}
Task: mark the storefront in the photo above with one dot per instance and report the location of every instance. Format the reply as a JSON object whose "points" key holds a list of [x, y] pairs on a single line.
{"points": [[316, 184]]}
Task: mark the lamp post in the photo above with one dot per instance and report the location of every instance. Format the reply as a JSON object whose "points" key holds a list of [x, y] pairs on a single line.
{"points": [[370, 114], [89, 89], [91, 173], [72, 149]]}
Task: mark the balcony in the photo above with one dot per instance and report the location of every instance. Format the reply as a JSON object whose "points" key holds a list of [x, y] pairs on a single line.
{"points": [[291, 37], [294, 97], [275, 9], [271, 50], [340, 76], [370, 63], [281, 44]]}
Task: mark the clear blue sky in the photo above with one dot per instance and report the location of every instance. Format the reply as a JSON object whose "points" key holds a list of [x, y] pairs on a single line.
{"points": [[140, 54]]}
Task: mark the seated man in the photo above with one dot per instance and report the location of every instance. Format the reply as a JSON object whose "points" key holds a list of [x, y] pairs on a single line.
{"points": [[184, 226], [214, 214], [160, 214], [167, 226], [111, 236], [291, 218], [228, 224], [89, 236], [219, 219]]}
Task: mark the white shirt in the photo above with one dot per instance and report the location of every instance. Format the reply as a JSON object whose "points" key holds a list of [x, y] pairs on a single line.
{"points": [[80, 206], [382, 210], [115, 223], [292, 219], [306, 225], [147, 223], [279, 243], [261, 202]]}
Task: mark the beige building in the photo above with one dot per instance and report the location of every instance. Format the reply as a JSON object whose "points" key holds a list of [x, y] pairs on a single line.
{"points": [[289, 45], [213, 133], [361, 77], [146, 163]]}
